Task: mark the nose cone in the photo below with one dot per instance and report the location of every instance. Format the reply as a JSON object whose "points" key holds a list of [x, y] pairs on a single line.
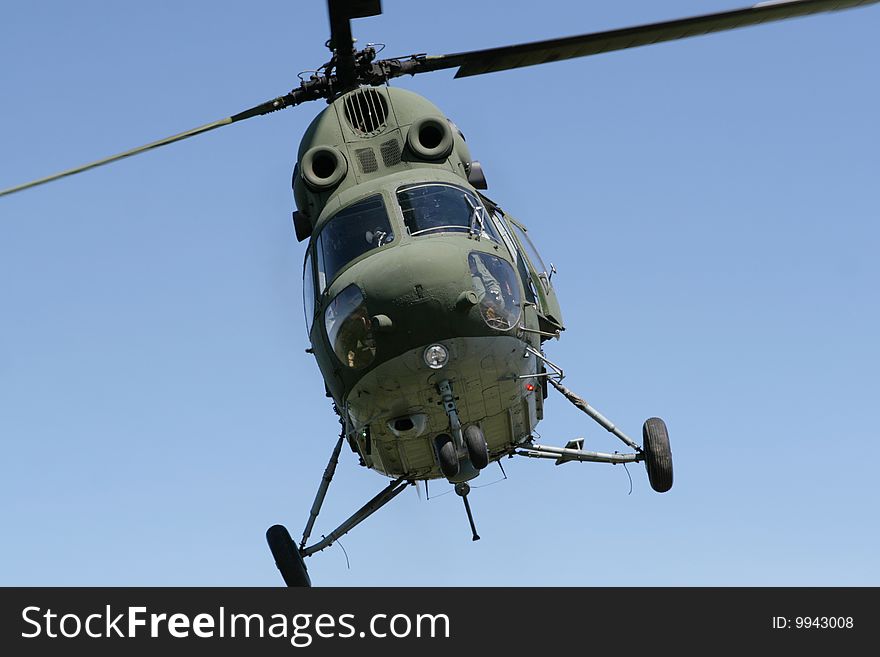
{"points": [[394, 303], [417, 287], [426, 289]]}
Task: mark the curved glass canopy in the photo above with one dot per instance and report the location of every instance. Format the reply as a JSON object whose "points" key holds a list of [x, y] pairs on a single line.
{"points": [[350, 233], [439, 207]]}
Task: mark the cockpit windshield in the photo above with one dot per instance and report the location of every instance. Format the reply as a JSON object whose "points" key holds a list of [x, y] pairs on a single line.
{"points": [[437, 207], [350, 233]]}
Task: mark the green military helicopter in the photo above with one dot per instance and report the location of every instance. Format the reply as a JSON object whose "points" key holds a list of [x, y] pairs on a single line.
{"points": [[427, 305]]}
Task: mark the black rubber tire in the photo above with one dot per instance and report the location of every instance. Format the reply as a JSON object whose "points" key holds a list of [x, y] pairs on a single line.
{"points": [[658, 454], [287, 557], [447, 455], [478, 450]]}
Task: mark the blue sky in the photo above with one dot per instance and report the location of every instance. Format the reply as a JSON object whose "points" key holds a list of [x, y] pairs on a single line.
{"points": [[711, 207]]}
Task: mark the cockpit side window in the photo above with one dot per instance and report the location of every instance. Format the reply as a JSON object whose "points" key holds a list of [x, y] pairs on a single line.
{"points": [[308, 292], [533, 255], [439, 208], [352, 232], [520, 262], [532, 271], [498, 220]]}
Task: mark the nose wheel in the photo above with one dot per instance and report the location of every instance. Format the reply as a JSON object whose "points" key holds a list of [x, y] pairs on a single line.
{"points": [[477, 450], [469, 439], [447, 455]]}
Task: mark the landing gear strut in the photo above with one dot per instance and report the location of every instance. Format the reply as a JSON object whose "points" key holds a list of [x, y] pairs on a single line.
{"points": [[655, 452], [468, 440], [289, 558]]}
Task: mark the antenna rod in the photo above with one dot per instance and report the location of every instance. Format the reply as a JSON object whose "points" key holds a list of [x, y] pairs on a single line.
{"points": [[462, 489]]}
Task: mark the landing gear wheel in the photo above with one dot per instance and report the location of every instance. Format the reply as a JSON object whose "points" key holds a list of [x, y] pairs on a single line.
{"points": [[658, 455], [446, 455], [287, 557], [477, 449]]}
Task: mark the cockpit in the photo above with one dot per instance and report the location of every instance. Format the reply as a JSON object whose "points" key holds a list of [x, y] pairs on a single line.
{"points": [[374, 223], [427, 209]]}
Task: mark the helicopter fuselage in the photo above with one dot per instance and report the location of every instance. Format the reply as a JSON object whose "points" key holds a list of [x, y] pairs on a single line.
{"points": [[414, 283]]}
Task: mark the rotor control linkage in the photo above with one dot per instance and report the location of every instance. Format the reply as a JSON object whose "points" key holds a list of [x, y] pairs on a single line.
{"points": [[462, 489], [391, 491], [603, 421]]}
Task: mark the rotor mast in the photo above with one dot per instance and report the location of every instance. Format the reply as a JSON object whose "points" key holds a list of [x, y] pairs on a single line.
{"points": [[341, 41]]}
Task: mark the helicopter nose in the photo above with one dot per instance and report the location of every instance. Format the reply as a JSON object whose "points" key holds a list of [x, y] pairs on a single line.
{"points": [[438, 288], [414, 292]]}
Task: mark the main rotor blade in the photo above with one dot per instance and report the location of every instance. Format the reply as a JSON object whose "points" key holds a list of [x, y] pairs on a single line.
{"points": [[477, 62], [293, 98], [355, 8]]}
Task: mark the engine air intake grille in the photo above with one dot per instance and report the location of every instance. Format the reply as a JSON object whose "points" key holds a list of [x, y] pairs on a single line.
{"points": [[366, 111], [367, 159], [390, 152]]}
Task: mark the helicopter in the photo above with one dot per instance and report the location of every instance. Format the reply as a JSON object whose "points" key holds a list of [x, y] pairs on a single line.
{"points": [[502, 292]]}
